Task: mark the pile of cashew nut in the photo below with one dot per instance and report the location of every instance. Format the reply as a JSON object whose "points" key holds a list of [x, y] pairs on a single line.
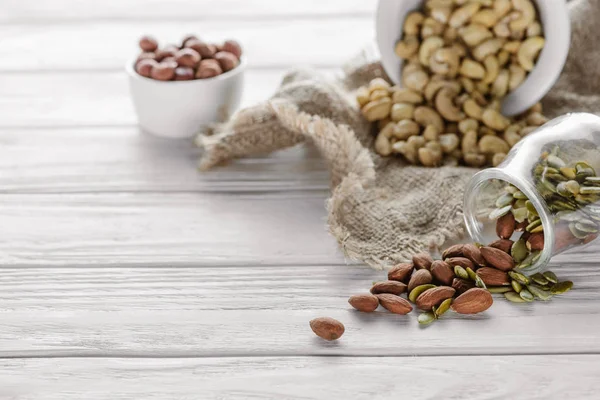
{"points": [[462, 57]]}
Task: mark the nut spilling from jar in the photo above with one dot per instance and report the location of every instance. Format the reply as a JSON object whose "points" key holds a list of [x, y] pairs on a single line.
{"points": [[193, 59], [461, 59]]}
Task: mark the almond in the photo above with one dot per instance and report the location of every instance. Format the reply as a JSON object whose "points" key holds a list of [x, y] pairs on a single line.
{"points": [[473, 301], [473, 253], [520, 226], [497, 258], [503, 244], [434, 297], [393, 287], [400, 272], [453, 251], [422, 261], [442, 272], [535, 241], [505, 226], [493, 277], [462, 285], [327, 328], [462, 261], [418, 278], [394, 304], [364, 302]]}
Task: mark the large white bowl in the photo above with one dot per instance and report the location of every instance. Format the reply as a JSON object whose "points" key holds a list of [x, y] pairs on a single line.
{"points": [[180, 109], [554, 17]]}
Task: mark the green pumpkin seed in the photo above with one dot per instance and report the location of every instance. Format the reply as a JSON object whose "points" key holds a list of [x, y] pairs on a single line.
{"points": [[568, 216], [549, 185], [526, 295], [520, 214], [555, 161], [445, 306], [504, 200], [527, 262], [461, 272], [533, 225], [519, 251], [586, 227], [499, 289], [519, 195], [589, 190], [479, 282], [418, 290], [539, 279], [500, 212], [568, 172], [539, 292], [538, 229], [514, 297], [536, 256], [426, 318], [511, 189], [517, 287], [593, 179], [521, 278], [576, 232], [551, 276], [561, 287]]}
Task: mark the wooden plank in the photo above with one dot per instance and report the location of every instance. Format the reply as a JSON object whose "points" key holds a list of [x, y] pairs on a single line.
{"points": [[424, 378], [32, 162], [263, 311], [27, 11], [92, 45]]}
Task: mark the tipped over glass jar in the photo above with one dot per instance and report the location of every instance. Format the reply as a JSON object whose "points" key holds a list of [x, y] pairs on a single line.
{"points": [[544, 197]]}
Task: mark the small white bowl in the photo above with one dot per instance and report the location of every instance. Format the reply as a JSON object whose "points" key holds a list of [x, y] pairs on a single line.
{"points": [[180, 109], [554, 16]]}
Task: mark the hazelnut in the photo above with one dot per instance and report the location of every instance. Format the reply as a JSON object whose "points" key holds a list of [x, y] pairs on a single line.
{"points": [[146, 56], [186, 39], [164, 71], [233, 47], [168, 51], [144, 67], [227, 60], [148, 43], [208, 69], [204, 49], [187, 58], [184, 73]]}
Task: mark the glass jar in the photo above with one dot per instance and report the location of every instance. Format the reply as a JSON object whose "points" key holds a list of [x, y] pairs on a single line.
{"points": [[547, 188]]}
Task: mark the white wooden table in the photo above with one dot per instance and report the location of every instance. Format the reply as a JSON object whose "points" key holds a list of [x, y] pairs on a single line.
{"points": [[126, 274]]}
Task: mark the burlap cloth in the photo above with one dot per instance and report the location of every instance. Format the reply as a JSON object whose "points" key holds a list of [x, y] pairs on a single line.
{"points": [[381, 210]]}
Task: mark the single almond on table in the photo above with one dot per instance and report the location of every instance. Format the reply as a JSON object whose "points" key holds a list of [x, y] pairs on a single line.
{"points": [[364, 302], [505, 226], [393, 287], [503, 244], [497, 258], [473, 301], [434, 297], [442, 272], [418, 278], [454, 251], [473, 253], [394, 304], [535, 241], [462, 261], [422, 261], [493, 276], [401, 272], [327, 328], [462, 285]]}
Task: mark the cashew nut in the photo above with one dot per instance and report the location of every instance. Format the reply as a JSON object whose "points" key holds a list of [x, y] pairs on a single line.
{"points": [[536, 119], [378, 109], [527, 15], [512, 47], [529, 51], [405, 95], [441, 14], [383, 146], [479, 98], [472, 69], [472, 109], [534, 29], [445, 105], [503, 57], [405, 129], [467, 125], [428, 47], [474, 159], [416, 141], [378, 94], [467, 84], [413, 22], [460, 49], [362, 96], [495, 120], [402, 111], [537, 107], [493, 145], [407, 47], [486, 17], [511, 137], [449, 142], [502, 7], [428, 116], [495, 104], [461, 15], [445, 61], [460, 100], [489, 47], [528, 129], [429, 157], [450, 35], [431, 133], [474, 34], [492, 68], [436, 84], [388, 129], [485, 131], [431, 27], [413, 77], [482, 87], [502, 30], [500, 85], [379, 84], [517, 76], [469, 142]]}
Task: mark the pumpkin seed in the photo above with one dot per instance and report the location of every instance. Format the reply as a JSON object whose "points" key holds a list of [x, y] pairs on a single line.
{"points": [[561, 287], [549, 185], [445, 306], [471, 274], [551, 276], [526, 295], [500, 212], [568, 172], [531, 207], [504, 200], [479, 282], [589, 190], [539, 292], [520, 214], [461, 272], [539, 279], [511, 189], [555, 161], [418, 290], [586, 227], [499, 289], [522, 279], [576, 232], [514, 297], [533, 225], [426, 318], [519, 195], [517, 287], [519, 251]]}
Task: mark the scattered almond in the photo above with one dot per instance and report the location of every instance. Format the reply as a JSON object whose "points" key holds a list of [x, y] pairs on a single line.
{"points": [[462, 285], [473, 253], [364, 302], [503, 244], [401, 272], [392, 287], [442, 272], [418, 278], [434, 297], [462, 261], [493, 277], [498, 258], [422, 261], [473, 301], [327, 328], [454, 251], [394, 304]]}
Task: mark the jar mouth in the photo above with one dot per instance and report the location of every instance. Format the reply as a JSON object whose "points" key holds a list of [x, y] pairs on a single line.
{"points": [[473, 226]]}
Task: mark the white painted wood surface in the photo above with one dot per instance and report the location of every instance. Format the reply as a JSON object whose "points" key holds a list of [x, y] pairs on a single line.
{"points": [[126, 273]]}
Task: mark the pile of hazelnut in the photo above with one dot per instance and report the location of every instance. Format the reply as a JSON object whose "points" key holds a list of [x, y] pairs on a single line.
{"points": [[194, 59]]}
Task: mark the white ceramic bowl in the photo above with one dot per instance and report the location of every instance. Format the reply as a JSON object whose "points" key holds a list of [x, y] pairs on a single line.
{"points": [[554, 17], [180, 109]]}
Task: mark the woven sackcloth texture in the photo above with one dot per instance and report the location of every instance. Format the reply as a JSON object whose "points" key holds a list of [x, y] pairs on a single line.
{"points": [[381, 210]]}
